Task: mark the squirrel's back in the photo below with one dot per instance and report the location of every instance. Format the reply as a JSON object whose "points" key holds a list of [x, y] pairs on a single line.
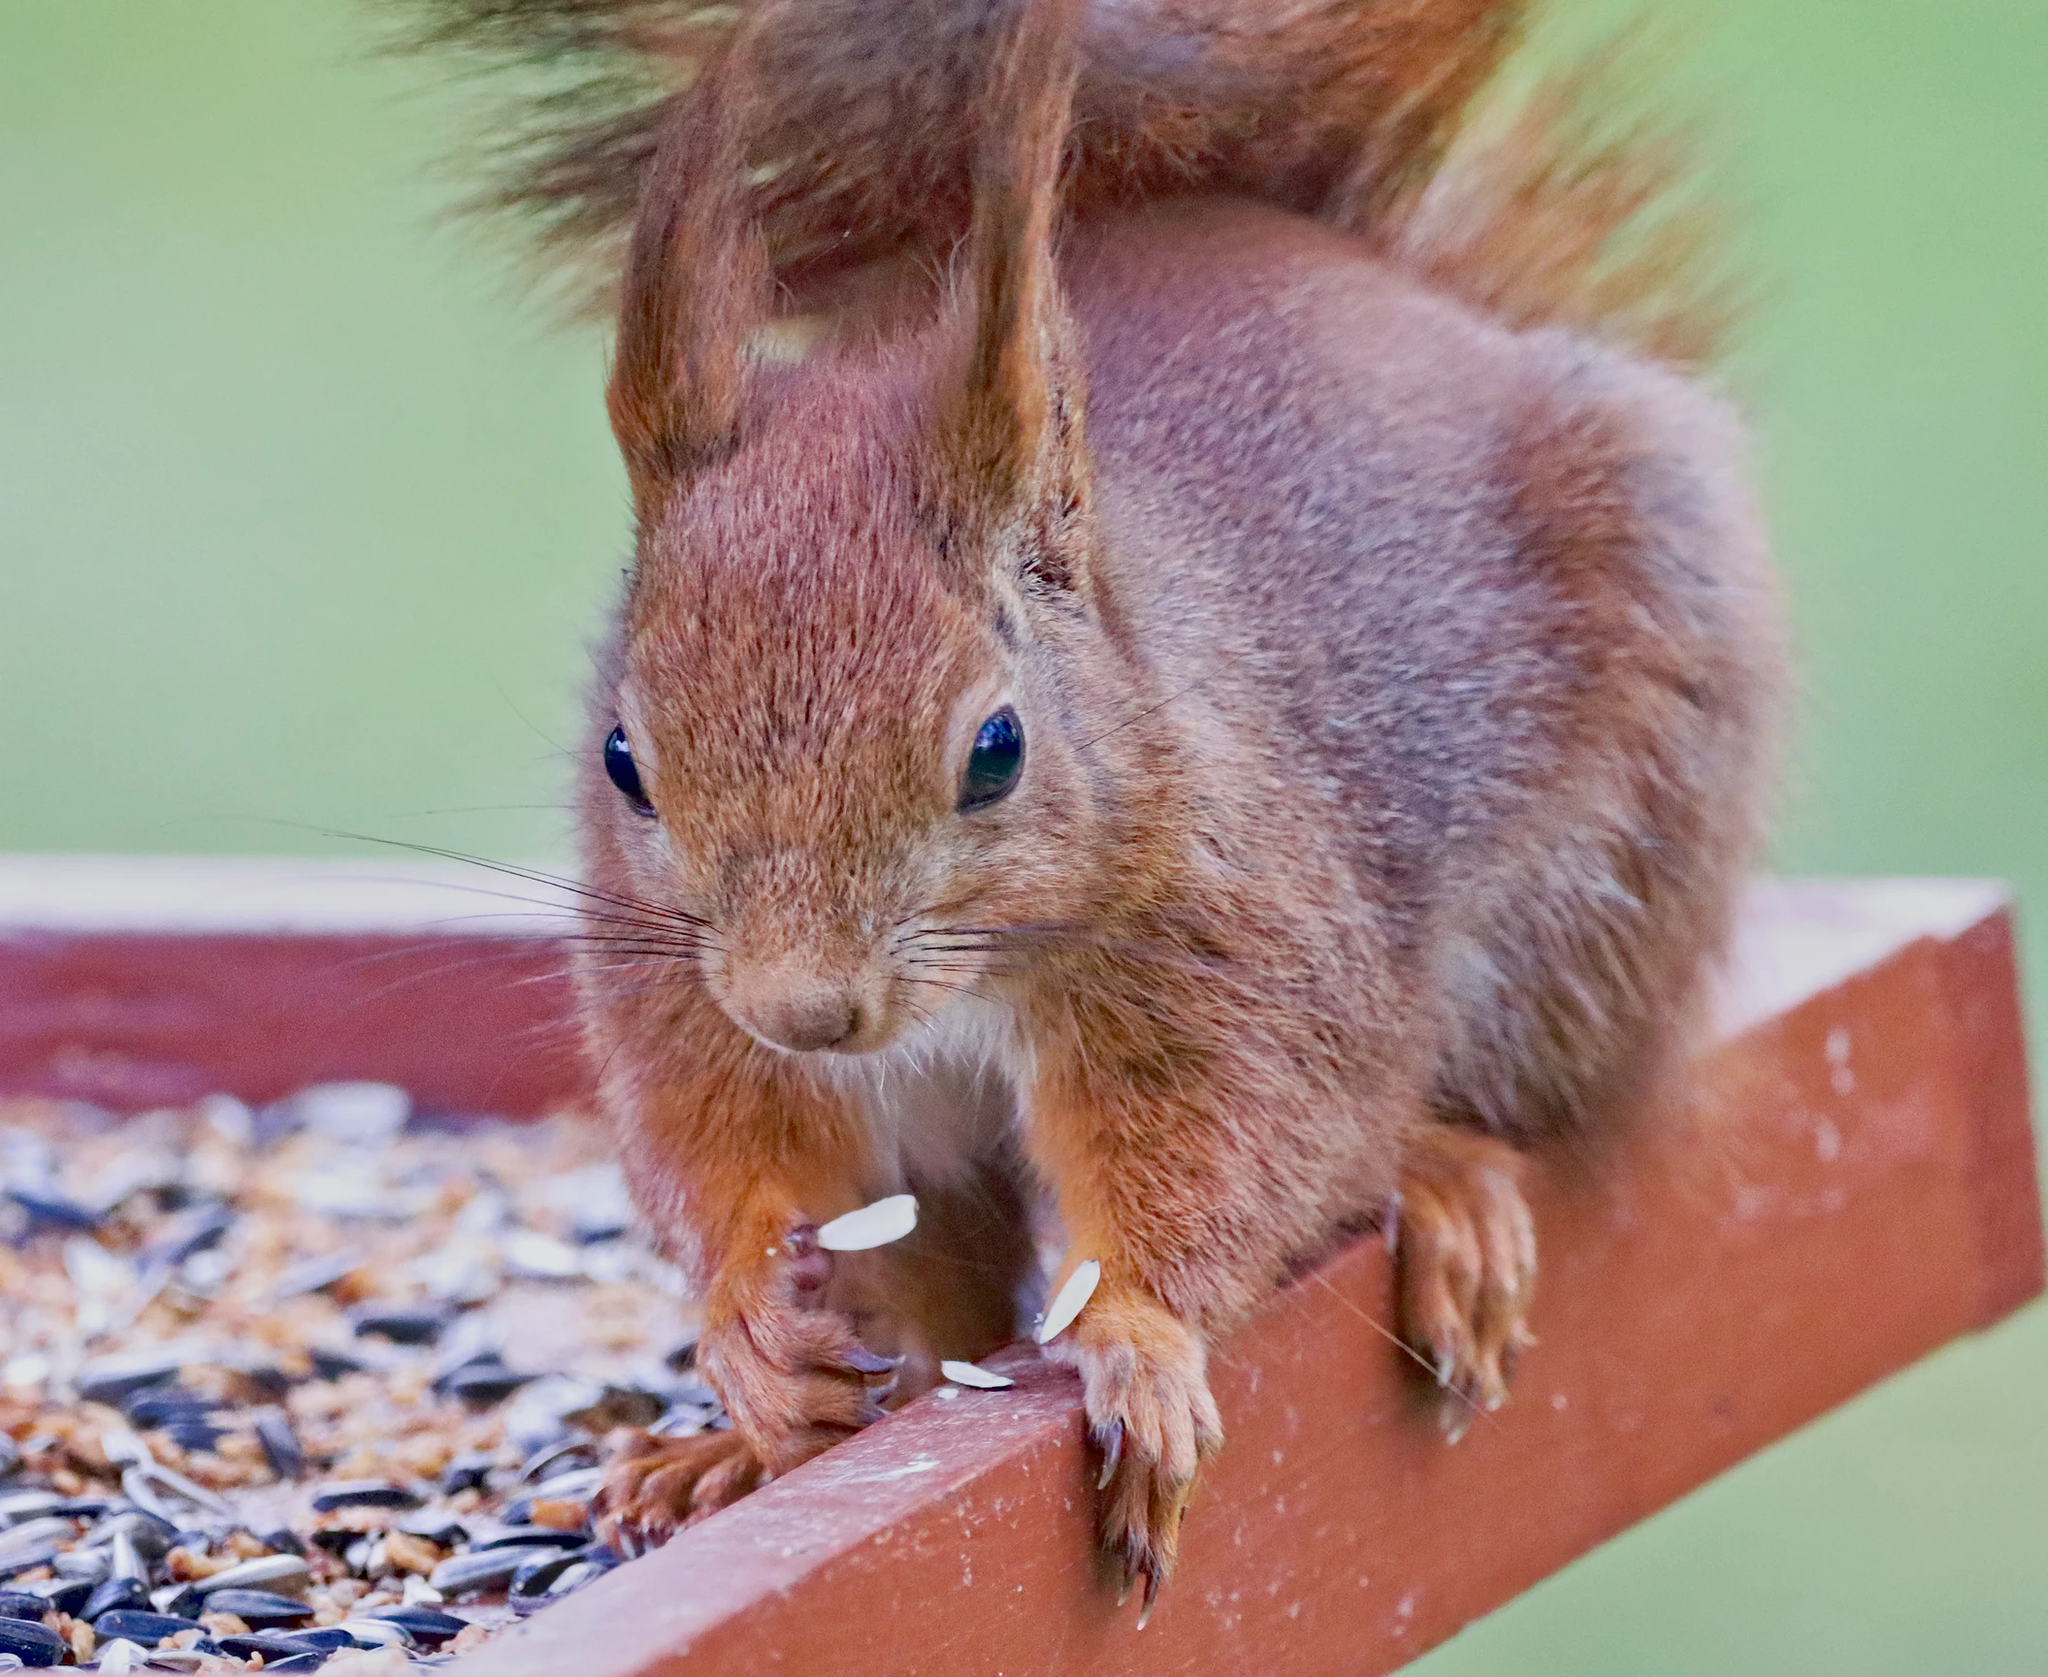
{"points": [[1412, 564], [1384, 118]]}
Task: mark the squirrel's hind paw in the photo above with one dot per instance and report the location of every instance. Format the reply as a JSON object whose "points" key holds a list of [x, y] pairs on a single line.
{"points": [[655, 1486], [1467, 1255]]}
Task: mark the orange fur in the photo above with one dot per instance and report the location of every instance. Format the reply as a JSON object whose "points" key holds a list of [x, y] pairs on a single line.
{"points": [[1397, 673], [1380, 116]]}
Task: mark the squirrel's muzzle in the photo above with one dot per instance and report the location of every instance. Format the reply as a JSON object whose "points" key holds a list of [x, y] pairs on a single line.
{"points": [[805, 1012]]}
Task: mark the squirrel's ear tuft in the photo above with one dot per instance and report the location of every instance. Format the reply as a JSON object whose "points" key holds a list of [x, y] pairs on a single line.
{"points": [[696, 284], [1012, 450]]}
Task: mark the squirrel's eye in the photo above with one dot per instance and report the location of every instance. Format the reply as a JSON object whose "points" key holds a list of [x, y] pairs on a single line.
{"points": [[996, 760], [618, 763]]}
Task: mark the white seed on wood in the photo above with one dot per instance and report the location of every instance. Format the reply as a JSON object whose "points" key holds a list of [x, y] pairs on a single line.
{"points": [[971, 1374], [872, 1225], [1067, 1302]]}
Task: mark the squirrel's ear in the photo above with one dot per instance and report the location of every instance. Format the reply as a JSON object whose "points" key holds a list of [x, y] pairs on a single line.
{"points": [[1013, 451], [696, 284]]}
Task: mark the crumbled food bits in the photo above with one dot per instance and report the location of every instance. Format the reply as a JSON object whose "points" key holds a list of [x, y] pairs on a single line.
{"points": [[183, 1378], [1068, 1302], [973, 1374], [872, 1225]]}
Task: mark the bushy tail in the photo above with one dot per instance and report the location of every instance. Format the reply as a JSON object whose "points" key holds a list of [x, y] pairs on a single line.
{"points": [[1382, 116]]}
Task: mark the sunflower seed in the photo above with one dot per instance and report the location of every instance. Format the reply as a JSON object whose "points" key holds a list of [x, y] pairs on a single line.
{"points": [[971, 1374], [403, 1324], [364, 1493], [872, 1225], [1067, 1303], [120, 1656], [259, 1609], [110, 1379], [114, 1596], [31, 1644], [485, 1569], [426, 1625], [280, 1572], [281, 1447]]}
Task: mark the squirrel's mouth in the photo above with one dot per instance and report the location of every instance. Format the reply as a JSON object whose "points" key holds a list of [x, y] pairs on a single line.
{"points": [[796, 1009]]}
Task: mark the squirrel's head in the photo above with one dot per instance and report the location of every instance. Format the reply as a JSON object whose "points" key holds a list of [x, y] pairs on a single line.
{"points": [[837, 745]]}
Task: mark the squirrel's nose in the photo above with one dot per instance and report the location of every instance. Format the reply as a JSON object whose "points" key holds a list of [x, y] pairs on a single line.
{"points": [[802, 1015]]}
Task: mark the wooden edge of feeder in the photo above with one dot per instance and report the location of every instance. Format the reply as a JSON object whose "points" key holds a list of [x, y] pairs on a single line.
{"points": [[1848, 1185], [136, 982]]}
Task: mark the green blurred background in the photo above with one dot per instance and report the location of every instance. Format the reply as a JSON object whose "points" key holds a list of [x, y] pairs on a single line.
{"points": [[305, 517]]}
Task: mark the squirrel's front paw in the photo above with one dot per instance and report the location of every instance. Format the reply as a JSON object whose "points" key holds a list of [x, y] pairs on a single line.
{"points": [[1149, 1409], [1467, 1256], [795, 1381]]}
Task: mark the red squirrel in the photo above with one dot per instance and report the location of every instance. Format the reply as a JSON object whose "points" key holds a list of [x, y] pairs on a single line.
{"points": [[1219, 690]]}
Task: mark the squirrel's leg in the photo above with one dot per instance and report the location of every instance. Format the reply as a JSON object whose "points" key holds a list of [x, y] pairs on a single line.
{"points": [[1132, 1165], [1466, 1251], [755, 1160]]}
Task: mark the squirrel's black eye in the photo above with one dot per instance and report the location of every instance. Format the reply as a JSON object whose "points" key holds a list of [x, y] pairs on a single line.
{"points": [[618, 763], [996, 760]]}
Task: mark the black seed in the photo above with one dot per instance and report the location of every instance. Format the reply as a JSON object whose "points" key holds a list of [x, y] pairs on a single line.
{"points": [[436, 1525], [403, 1324], [146, 1628], [283, 1541], [530, 1537], [364, 1493], [423, 1623], [188, 1232], [469, 1472], [19, 1604], [327, 1638], [186, 1603], [274, 1646], [154, 1406], [80, 1507], [33, 1644], [192, 1435], [281, 1447], [112, 1379], [482, 1384], [153, 1538], [54, 1210], [485, 1569], [576, 1452], [334, 1541], [113, 1596], [259, 1609], [64, 1595], [536, 1576], [683, 1354], [330, 1364]]}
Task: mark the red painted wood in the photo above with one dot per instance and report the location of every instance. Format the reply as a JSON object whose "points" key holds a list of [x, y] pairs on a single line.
{"points": [[134, 984], [1849, 1184]]}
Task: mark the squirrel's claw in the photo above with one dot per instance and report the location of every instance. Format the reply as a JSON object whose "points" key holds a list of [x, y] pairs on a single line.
{"points": [[1111, 1440], [1467, 1257]]}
